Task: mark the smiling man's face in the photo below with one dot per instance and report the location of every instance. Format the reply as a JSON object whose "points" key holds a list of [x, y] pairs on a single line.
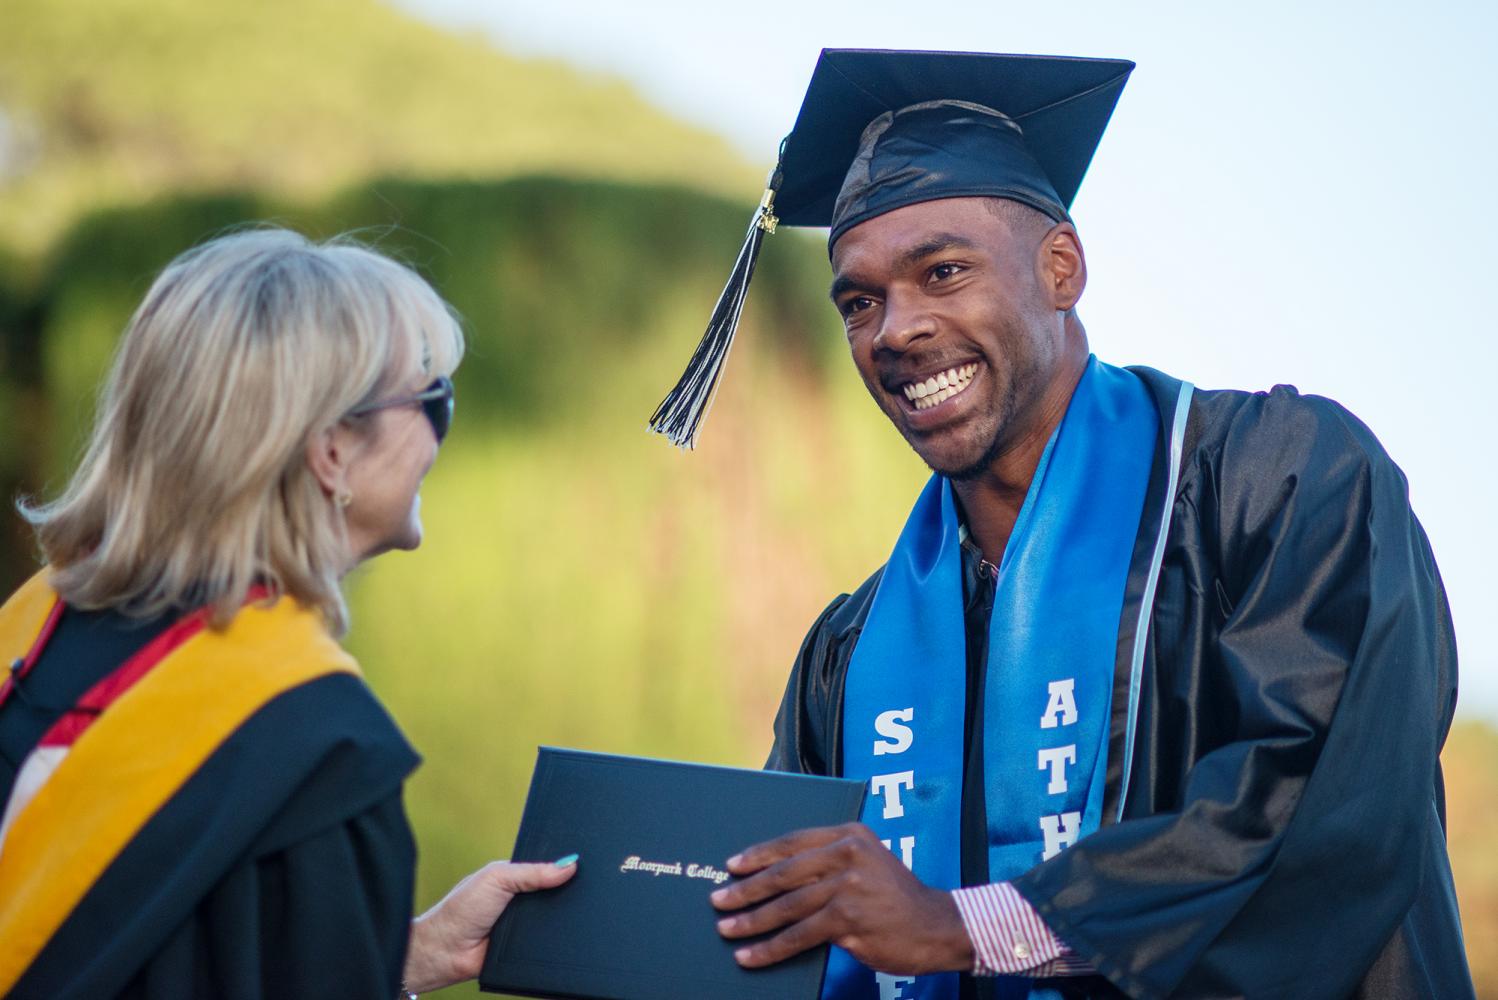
{"points": [[952, 322]]}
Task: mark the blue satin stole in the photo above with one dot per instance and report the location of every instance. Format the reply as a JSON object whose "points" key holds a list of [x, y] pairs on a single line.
{"points": [[1051, 652]]}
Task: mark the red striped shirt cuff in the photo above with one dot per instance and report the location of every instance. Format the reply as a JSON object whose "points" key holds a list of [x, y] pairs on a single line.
{"points": [[1009, 938]]}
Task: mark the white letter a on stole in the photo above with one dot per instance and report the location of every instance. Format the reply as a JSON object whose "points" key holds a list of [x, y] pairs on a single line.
{"points": [[1062, 702]]}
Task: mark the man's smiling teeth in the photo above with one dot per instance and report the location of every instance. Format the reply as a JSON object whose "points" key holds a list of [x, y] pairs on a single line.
{"points": [[939, 388]]}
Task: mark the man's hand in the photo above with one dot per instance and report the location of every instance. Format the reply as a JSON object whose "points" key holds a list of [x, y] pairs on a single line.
{"points": [[840, 884], [448, 941]]}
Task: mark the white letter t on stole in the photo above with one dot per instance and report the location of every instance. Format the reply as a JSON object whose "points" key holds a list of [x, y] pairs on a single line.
{"points": [[889, 786], [1056, 758]]}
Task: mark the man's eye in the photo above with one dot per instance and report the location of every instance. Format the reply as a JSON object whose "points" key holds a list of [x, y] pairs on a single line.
{"points": [[856, 304], [941, 272]]}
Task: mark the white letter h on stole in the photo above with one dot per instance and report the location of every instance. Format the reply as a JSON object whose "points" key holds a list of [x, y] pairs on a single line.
{"points": [[1060, 832]]}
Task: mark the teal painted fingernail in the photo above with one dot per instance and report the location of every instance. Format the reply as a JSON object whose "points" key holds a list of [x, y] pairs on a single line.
{"points": [[566, 862]]}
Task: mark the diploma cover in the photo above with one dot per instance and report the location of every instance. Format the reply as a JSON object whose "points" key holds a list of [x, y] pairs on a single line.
{"points": [[635, 922]]}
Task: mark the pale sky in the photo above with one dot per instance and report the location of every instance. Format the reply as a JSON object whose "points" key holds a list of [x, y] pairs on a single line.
{"points": [[1288, 192]]}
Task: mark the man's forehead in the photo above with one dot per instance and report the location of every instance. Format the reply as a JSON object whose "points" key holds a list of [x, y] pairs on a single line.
{"points": [[908, 234]]}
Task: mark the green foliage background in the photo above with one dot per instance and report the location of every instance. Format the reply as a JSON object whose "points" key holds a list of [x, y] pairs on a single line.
{"points": [[108, 102], [581, 583]]}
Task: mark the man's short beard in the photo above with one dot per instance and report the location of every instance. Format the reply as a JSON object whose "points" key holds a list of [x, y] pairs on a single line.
{"points": [[1007, 408], [979, 466]]}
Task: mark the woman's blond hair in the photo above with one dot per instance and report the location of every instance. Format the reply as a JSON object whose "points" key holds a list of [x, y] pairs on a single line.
{"points": [[195, 486]]}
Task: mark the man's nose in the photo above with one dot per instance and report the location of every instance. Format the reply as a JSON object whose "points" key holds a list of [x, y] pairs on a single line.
{"points": [[906, 321]]}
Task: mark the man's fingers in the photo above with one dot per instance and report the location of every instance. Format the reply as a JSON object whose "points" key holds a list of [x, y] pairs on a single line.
{"points": [[814, 930], [841, 848], [515, 877], [761, 856], [782, 877], [778, 912]]}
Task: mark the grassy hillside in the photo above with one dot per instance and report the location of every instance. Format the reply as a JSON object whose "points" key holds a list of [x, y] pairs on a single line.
{"points": [[115, 101]]}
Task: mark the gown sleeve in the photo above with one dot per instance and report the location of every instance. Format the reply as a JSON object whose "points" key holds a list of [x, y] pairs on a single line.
{"points": [[1295, 848], [284, 867], [326, 916], [804, 724]]}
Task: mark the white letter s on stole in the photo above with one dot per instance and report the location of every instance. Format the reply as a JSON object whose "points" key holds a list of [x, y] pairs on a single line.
{"points": [[897, 737]]}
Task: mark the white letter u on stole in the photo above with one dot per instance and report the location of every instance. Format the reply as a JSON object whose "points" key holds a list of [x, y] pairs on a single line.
{"points": [[907, 850]]}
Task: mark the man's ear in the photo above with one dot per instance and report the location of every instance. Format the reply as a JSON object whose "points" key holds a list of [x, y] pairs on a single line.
{"points": [[1063, 266], [328, 455]]}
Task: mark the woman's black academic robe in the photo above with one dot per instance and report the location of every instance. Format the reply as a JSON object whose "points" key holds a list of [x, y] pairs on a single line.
{"points": [[284, 867]]}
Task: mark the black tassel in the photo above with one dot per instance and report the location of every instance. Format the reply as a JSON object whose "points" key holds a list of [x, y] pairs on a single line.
{"points": [[681, 413]]}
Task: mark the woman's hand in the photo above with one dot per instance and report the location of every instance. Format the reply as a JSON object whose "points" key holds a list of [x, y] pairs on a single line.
{"points": [[448, 941]]}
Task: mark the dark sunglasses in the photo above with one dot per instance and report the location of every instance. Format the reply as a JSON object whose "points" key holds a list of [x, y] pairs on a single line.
{"points": [[436, 402]]}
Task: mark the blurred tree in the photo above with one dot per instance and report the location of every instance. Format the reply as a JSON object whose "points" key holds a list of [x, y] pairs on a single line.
{"points": [[116, 101], [554, 278], [24, 440]]}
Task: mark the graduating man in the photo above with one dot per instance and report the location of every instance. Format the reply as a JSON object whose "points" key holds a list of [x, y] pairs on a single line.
{"points": [[1151, 692]]}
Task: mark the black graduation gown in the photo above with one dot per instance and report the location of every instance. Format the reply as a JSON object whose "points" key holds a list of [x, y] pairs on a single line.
{"points": [[1284, 828], [284, 867]]}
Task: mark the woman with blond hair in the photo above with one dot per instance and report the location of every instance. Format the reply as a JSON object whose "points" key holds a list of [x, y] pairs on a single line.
{"points": [[201, 796]]}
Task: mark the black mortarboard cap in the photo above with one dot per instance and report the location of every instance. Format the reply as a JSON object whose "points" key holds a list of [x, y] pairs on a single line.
{"points": [[879, 130]]}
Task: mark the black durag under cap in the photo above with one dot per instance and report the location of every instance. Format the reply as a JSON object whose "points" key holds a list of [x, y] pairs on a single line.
{"points": [[879, 130], [940, 149]]}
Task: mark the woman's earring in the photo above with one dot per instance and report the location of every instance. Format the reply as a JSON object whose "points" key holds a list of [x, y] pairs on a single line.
{"points": [[342, 499]]}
